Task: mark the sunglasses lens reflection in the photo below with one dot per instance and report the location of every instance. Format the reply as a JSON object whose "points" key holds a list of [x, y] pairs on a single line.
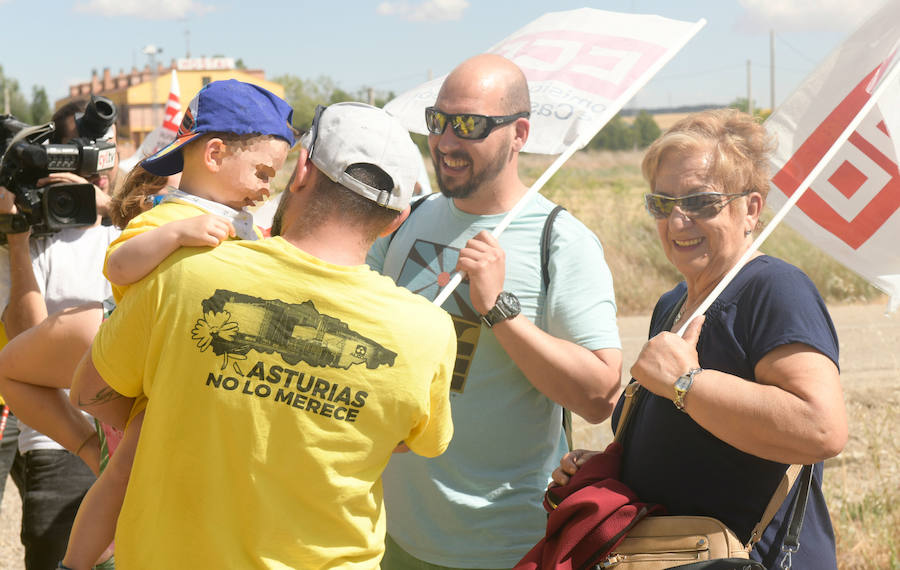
{"points": [[698, 206]]}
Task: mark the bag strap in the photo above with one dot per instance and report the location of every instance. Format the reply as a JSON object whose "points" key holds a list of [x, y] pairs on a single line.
{"points": [[412, 208], [545, 279], [781, 492], [791, 542]]}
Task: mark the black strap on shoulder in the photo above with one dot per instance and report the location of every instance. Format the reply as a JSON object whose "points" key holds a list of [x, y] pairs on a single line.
{"points": [[545, 245], [412, 208], [545, 276]]}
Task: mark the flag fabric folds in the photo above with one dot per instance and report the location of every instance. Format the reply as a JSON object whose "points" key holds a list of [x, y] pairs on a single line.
{"points": [[852, 208]]}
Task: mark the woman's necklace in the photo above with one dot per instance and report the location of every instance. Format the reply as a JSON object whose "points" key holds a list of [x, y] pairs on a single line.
{"points": [[680, 312]]}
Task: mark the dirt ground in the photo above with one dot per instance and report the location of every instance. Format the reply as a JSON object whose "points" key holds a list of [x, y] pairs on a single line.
{"points": [[870, 372]]}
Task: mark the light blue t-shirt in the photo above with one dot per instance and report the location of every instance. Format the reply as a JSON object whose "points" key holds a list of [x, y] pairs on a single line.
{"points": [[479, 504]]}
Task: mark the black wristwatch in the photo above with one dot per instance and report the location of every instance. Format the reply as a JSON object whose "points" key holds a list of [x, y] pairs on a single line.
{"points": [[506, 307]]}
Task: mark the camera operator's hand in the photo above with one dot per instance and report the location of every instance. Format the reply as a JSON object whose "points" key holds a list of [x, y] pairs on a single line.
{"points": [[7, 201], [8, 207], [103, 198]]}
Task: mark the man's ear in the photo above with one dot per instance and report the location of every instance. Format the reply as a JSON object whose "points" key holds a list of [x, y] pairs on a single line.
{"points": [[214, 152], [301, 174], [523, 128], [395, 223]]}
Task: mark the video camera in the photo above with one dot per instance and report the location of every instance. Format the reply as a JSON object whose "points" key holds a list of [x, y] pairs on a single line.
{"points": [[25, 158]]}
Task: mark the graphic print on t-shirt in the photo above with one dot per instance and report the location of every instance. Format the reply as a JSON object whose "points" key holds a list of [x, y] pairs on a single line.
{"points": [[426, 271], [233, 323]]}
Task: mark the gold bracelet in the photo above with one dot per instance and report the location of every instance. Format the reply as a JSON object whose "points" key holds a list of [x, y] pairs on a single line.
{"points": [[83, 443]]}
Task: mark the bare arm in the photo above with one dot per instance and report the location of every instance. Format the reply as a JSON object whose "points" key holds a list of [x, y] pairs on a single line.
{"points": [[93, 395], [794, 412], [136, 257], [584, 381], [25, 307]]}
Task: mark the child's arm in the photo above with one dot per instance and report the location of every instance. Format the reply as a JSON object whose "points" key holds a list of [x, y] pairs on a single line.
{"points": [[138, 256], [95, 523]]}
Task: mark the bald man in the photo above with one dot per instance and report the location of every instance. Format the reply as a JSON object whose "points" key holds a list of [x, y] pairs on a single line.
{"points": [[524, 351]]}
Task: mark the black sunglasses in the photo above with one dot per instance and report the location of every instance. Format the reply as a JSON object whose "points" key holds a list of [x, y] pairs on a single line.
{"points": [[701, 206], [466, 125]]}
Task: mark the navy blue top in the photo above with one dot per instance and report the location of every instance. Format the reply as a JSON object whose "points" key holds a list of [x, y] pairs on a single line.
{"points": [[671, 460]]}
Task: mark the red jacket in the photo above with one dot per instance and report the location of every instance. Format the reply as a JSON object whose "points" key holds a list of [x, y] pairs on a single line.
{"points": [[589, 516]]}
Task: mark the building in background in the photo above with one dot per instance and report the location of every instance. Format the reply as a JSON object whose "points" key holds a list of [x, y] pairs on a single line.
{"points": [[141, 95]]}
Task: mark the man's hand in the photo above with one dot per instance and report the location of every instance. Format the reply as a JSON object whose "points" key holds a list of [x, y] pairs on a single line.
{"points": [[484, 261], [101, 197], [7, 201], [8, 207]]}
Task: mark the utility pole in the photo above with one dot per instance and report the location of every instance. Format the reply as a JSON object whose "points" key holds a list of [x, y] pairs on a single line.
{"points": [[749, 90], [151, 51], [772, 70]]}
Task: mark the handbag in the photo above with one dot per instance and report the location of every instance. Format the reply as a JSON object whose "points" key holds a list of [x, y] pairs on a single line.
{"points": [[698, 542]]}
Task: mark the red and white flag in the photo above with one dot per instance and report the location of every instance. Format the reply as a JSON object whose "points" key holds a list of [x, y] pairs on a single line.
{"points": [[852, 207], [161, 135], [582, 67], [172, 116]]}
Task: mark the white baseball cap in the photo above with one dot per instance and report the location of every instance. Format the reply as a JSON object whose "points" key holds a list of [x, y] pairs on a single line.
{"points": [[344, 134]]}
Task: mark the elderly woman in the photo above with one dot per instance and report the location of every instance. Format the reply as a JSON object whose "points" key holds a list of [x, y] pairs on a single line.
{"points": [[752, 388]]}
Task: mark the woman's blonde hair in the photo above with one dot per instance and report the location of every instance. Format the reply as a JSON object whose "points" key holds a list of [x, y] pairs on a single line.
{"points": [[739, 147]]}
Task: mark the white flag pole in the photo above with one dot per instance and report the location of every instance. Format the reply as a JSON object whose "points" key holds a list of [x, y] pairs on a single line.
{"points": [[890, 76], [581, 141]]}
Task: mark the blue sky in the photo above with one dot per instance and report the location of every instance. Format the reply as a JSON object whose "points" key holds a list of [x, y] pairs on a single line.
{"points": [[394, 44]]}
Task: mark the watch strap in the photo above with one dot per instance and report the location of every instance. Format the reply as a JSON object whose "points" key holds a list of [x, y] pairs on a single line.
{"points": [[681, 392]]}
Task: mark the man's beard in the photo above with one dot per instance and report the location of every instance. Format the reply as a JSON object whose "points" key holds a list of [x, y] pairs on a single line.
{"points": [[469, 187]]}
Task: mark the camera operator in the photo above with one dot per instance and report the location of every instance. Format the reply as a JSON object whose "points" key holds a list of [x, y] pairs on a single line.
{"points": [[39, 276]]}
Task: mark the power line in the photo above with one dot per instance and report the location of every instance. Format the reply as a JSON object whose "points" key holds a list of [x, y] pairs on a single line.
{"points": [[702, 72], [795, 50]]}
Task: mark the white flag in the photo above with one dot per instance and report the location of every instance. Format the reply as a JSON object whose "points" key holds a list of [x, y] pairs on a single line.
{"points": [[851, 208], [582, 66]]}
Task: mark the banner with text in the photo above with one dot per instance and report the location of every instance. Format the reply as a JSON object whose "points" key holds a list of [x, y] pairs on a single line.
{"points": [[582, 67]]}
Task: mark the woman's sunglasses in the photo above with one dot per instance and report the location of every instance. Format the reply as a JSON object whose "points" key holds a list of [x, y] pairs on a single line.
{"points": [[466, 125], [701, 205]]}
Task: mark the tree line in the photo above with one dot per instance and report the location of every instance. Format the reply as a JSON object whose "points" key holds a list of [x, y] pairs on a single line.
{"points": [[34, 111]]}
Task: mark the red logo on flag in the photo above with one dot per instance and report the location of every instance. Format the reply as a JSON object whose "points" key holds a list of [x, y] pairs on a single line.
{"points": [[864, 164], [605, 65]]}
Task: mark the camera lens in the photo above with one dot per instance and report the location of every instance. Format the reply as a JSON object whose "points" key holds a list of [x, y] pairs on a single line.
{"points": [[61, 204]]}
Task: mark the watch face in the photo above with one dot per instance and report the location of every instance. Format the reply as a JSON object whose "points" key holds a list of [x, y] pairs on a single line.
{"points": [[510, 302], [683, 382]]}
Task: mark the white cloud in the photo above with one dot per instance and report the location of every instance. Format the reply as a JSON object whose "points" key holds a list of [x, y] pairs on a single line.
{"points": [[804, 15], [160, 10], [429, 10]]}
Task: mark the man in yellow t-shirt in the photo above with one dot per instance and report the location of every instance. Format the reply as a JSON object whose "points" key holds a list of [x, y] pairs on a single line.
{"points": [[280, 374]]}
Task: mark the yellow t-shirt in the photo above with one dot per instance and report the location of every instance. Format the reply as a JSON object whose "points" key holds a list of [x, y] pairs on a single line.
{"points": [[153, 218], [278, 386]]}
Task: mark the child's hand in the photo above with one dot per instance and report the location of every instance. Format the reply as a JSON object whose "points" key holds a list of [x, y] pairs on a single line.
{"points": [[205, 230]]}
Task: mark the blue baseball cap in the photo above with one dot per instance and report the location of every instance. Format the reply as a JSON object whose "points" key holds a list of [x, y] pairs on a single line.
{"points": [[228, 106]]}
